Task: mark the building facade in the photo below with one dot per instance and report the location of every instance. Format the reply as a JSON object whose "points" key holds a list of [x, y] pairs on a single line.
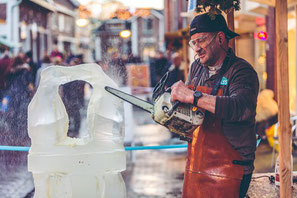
{"points": [[40, 26], [147, 35], [62, 25], [24, 25]]}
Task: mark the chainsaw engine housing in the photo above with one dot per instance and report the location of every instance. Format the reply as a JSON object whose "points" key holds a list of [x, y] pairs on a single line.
{"points": [[182, 121]]}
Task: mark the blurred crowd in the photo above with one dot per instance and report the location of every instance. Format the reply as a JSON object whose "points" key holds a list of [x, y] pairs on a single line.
{"points": [[19, 79], [17, 89]]}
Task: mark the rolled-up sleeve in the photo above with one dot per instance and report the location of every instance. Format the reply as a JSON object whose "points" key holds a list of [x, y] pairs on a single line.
{"points": [[241, 102]]}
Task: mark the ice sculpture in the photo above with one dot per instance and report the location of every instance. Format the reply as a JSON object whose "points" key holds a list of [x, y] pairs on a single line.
{"points": [[65, 167]]}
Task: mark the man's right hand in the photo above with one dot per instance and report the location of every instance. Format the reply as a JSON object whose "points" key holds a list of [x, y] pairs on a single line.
{"points": [[181, 92]]}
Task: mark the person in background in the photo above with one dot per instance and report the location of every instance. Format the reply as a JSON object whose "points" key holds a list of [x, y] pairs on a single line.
{"points": [[133, 59], [57, 60], [29, 60], [175, 73], [161, 62], [69, 57], [56, 52], [5, 65], [80, 58], [46, 62], [74, 61]]}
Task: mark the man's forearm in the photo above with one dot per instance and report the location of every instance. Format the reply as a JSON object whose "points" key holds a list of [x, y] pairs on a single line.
{"points": [[207, 102]]}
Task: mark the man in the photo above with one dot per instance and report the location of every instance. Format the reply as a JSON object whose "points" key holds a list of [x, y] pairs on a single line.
{"points": [[222, 151], [174, 71], [29, 60], [160, 65]]}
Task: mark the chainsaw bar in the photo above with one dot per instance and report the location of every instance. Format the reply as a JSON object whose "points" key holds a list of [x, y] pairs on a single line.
{"points": [[145, 105]]}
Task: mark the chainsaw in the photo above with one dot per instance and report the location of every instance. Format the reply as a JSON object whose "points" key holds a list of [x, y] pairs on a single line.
{"points": [[179, 118]]}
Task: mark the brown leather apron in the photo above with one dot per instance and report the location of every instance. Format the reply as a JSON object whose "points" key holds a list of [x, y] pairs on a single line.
{"points": [[210, 171]]}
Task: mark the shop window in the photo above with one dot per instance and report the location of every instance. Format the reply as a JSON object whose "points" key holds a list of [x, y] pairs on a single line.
{"points": [[69, 24], [53, 20], [115, 26], [2, 13], [148, 26], [61, 23]]}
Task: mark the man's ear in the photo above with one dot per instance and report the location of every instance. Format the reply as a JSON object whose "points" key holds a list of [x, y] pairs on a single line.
{"points": [[221, 36]]}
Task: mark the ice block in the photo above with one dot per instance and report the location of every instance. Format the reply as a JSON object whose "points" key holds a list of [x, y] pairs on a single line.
{"points": [[65, 167]]}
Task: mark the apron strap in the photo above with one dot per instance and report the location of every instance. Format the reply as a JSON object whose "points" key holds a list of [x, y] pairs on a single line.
{"points": [[217, 83]]}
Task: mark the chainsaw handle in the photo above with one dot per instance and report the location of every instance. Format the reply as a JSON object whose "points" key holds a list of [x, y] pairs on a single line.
{"points": [[174, 106], [160, 87], [168, 90]]}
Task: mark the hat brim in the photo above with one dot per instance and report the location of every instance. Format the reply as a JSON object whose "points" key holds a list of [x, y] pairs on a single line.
{"points": [[230, 34]]}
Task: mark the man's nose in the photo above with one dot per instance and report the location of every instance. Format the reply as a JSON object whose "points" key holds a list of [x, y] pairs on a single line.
{"points": [[197, 48]]}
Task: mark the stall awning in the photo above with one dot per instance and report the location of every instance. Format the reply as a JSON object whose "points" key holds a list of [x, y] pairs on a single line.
{"points": [[44, 4], [6, 43]]}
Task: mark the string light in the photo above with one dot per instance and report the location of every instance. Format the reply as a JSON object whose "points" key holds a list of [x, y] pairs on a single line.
{"points": [[125, 33]]}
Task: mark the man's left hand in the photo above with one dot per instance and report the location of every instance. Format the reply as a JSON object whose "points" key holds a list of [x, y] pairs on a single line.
{"points": [[180, 92]]}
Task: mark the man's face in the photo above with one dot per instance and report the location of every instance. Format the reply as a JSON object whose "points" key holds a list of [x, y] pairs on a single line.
{"points": [[207, 47]]}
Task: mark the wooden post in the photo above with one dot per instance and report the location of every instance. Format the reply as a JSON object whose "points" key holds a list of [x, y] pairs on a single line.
{"points": [[281, 16], [295, 55], [230, 21], [270, 52]]}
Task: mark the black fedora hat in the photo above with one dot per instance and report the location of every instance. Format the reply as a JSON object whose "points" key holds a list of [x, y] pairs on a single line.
{"points": [[206, 23]]}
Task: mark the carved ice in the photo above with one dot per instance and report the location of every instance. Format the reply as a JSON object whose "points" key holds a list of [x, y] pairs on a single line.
{"points": [[65, 167]]}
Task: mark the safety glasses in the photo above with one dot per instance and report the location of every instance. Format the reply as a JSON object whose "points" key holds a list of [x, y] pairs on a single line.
{"points": [[201, 42]]}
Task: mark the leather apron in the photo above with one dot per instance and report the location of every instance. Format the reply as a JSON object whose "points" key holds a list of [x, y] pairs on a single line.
{"points": [[210, 170]]}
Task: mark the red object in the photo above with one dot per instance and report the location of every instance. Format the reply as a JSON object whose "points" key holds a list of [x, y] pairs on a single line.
{"points": [[262, 35], [260, 21]]}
